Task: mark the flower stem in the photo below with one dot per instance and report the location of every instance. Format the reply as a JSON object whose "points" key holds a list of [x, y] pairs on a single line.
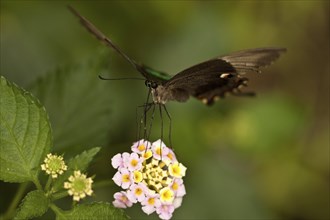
{"points": [[37, 183], [18, 197], [59, 195], [49, 181]]}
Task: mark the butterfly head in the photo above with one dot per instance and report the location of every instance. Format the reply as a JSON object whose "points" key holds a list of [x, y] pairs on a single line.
{"points": [[154, 87], [151, 84]]}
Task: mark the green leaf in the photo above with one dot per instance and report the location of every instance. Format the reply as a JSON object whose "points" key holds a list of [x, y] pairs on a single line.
{"points": [[34, 204], [78, 105], [25, 134], [100, 210], [79, 162]]}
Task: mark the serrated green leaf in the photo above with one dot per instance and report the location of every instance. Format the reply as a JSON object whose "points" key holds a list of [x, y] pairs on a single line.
{"points": [[100, 210], [25, 133], [34, 204], [79, 162], [77, 102]]}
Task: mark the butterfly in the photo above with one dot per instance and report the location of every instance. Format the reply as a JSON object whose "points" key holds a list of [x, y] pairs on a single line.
{"points": [[207, 81]]}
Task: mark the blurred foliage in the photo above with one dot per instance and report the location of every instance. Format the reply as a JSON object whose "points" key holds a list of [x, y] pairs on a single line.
{"points": [[260, 158]]}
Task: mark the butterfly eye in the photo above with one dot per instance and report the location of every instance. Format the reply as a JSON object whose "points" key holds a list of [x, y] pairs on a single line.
{"points": [[147, 83], [153, 85]]}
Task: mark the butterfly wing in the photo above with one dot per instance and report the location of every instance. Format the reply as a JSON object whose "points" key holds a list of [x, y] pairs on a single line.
{"points": [[214, 78], [253, 59]]}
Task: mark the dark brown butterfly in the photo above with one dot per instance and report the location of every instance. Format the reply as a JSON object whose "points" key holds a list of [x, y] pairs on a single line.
{"points": [[207, 81]]}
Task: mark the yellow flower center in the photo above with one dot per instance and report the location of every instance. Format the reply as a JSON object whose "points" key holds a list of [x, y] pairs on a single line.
{"points": [[138, 191], [141, 147], [175, 186], [134, 162], [177, 170], [124, 198], [151, 201], [125, 178], [137, 176], [170, 155], [147, 154], [158, 151], [166, 195]]}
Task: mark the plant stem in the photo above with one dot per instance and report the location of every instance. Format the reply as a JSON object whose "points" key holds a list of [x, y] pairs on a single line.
{"points": [[37, 183], [49, 181], [14, 203], [59, 195]]}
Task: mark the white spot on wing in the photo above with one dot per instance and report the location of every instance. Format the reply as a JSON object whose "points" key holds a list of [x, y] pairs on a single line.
{"points": [[224, 75]]}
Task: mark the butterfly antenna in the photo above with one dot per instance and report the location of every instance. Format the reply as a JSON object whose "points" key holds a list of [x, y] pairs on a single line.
{"points": [[122, 78], [101, 37]]}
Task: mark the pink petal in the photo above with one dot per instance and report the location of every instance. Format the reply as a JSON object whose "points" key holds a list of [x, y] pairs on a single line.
{"points": [[125, 185], [131, 196], [165, 216], [148, 209], [116, 161], [117, 178], [181, 191], [125, 157], [177, 202], [118, 204]]}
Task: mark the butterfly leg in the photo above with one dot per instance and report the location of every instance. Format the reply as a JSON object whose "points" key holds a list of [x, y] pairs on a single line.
{"points": [[161, 122], [146, 109], [144, 118], [151, 120], [161, 129], [137, 124], [170, 128]]}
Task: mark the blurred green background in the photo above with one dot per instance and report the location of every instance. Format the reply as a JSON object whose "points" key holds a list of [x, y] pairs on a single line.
{"points": [[248, 158]]}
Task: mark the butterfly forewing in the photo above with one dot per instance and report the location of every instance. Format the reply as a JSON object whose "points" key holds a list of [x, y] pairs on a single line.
{"points": [[252, 59]]}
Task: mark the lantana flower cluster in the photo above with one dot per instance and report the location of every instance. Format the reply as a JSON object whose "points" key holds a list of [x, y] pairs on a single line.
{"points": [[150, 175]]}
